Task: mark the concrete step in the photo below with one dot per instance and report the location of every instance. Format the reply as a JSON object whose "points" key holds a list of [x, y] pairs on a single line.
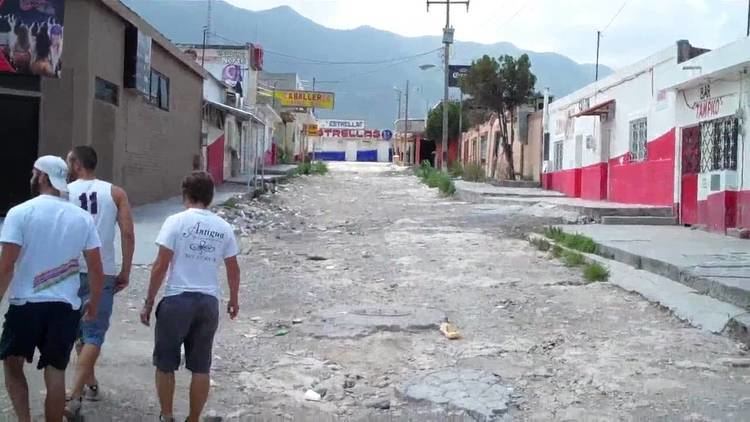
{"points": [[639, 220]]}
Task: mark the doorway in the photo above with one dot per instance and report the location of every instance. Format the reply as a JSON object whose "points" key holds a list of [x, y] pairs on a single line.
{"points": [[19, 131], [691, 167]]}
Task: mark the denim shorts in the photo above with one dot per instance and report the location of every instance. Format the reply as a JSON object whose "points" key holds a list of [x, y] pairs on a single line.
{"points": [[93, 332], [188, 319]]}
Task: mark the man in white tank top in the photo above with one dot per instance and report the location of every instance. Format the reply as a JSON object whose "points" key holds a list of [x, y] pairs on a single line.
{"points": [[108, 205]]}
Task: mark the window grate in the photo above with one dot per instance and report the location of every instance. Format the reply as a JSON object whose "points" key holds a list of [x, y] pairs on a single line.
{"points": [[719, 144], [557, 164], [639, 139]]}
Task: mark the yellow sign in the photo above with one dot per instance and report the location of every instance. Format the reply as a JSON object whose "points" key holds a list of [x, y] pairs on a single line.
{"points": [[312, 130], [307, 99]]}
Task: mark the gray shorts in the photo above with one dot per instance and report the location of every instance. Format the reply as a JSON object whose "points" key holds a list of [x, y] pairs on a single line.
{"points": [[190, 319]]}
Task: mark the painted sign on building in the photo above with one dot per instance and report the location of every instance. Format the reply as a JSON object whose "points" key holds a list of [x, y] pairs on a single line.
{"points": [[353, 133], [711, 104], [306, 99], [31, 36], [229, 64], [342, 124], [311, 130]]}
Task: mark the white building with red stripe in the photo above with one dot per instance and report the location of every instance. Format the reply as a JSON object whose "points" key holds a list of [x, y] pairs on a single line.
{"points": [[665, 131]]}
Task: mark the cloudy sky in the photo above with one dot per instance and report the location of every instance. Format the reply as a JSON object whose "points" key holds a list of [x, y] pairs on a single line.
{"points": [[564, 26]]}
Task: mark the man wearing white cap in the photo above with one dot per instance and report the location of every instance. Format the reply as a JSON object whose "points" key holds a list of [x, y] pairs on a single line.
{"points": [[42, 240]]}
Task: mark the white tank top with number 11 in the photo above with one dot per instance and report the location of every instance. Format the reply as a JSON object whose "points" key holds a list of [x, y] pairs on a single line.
{"points": [[95, 196]]}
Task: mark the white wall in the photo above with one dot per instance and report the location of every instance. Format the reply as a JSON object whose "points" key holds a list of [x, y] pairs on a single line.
{"points": [[636, 91]]}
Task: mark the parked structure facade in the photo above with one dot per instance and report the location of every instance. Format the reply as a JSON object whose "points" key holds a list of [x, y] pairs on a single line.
{"points": [[667, 131], [147, 138]]}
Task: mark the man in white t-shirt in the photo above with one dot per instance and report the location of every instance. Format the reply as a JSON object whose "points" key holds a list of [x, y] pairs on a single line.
{"points": [[192, 246], [109, 207], [42, 240]]}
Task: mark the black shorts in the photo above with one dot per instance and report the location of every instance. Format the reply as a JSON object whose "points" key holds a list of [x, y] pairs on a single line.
{"points": [[190, 319], [51, 327]]}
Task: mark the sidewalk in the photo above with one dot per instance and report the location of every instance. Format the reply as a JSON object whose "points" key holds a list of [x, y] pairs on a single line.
{"points": [[486, 193], [713, 264]]}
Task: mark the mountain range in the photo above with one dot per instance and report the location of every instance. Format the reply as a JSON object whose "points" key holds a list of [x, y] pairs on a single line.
{"points": [[377, 60]]}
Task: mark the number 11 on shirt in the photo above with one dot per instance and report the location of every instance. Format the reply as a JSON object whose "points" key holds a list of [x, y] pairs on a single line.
{"points": [[89, 200]]}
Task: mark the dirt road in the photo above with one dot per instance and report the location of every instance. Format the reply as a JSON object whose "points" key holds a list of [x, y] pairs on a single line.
{"points": [[343, 295]]}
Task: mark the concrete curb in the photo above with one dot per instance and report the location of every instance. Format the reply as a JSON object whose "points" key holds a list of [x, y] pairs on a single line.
{"points": [[655, 281], [704, 285]]}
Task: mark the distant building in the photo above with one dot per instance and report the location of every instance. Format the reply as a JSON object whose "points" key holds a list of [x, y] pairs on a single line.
{"points": [[121, 87]]}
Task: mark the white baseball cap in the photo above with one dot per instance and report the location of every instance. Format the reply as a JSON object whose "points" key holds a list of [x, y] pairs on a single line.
{"points": [[56, 169]]}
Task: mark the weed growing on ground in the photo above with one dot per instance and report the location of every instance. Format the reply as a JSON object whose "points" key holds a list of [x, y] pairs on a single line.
{"points": [[595, 272], [456, 169], [435, 178], [557, 251], [576, 241], [474, 173], [319, 167], [231, 203], [573, 259], [315, 167]]}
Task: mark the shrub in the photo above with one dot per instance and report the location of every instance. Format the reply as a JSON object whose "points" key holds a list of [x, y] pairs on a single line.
{"points": [[557, 251], [578, 242], [315, 167], [541, 244], [595, 272], [456, 169], [573, 259], [319, 167], [435, 179], [474, 173]]}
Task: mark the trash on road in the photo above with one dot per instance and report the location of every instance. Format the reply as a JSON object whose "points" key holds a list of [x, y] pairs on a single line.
{"points": [[311, 395], [450, 331]]}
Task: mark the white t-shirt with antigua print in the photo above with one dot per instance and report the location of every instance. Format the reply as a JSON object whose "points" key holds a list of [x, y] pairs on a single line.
{"points": [[200, 241], [52, 234]]}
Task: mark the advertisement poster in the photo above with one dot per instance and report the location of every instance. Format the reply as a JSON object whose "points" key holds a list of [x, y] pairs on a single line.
{"points": [[342, 124], [226, 63], [31, 37], [456, 72], [143, 64], [306, 99]]}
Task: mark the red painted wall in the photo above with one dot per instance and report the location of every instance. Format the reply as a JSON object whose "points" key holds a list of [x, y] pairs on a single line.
{"points": [[565, 181], [215, 158], [719, 211], [594, 181], [649, 182], [452, 152], [743, 209]]}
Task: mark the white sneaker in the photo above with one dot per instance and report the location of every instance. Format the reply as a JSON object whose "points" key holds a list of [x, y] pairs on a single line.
{"points": [[92, 393]]}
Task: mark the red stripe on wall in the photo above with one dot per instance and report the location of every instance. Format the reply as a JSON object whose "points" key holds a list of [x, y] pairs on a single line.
{"points": [[648, 182], [720, 211], [594, 181], [565, 181], [743, 209]]}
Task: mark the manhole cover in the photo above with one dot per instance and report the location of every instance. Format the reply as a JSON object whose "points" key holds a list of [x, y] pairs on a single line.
{"points": [[381, 312]]}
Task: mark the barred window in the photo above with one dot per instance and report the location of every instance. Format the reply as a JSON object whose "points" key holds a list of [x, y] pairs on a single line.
{"points": [[558, 162], [638, 139], [483, 147], [719, 144]]}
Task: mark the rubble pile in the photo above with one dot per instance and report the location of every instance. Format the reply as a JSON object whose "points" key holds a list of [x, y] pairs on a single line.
{"points": [[248, 216]]}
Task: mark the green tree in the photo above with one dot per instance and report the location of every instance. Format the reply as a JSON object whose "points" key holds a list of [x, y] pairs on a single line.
{"points": [[434, 130], [501, 85]]}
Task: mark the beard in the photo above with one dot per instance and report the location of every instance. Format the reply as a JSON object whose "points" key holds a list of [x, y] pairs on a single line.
{"points": [[35, 187]]}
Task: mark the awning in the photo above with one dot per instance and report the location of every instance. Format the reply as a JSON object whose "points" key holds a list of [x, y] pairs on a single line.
{"points": [[240, 114], [600, 110]]}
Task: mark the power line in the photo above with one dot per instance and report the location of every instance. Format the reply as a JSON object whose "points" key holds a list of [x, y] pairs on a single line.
{"points": [[303, 60], [616, 15]]}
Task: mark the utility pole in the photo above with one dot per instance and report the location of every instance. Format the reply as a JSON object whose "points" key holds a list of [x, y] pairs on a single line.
{"points": [[748, 18], [598, 39], [406, 118], [447, 40], [209, 17], [203, 51]]}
